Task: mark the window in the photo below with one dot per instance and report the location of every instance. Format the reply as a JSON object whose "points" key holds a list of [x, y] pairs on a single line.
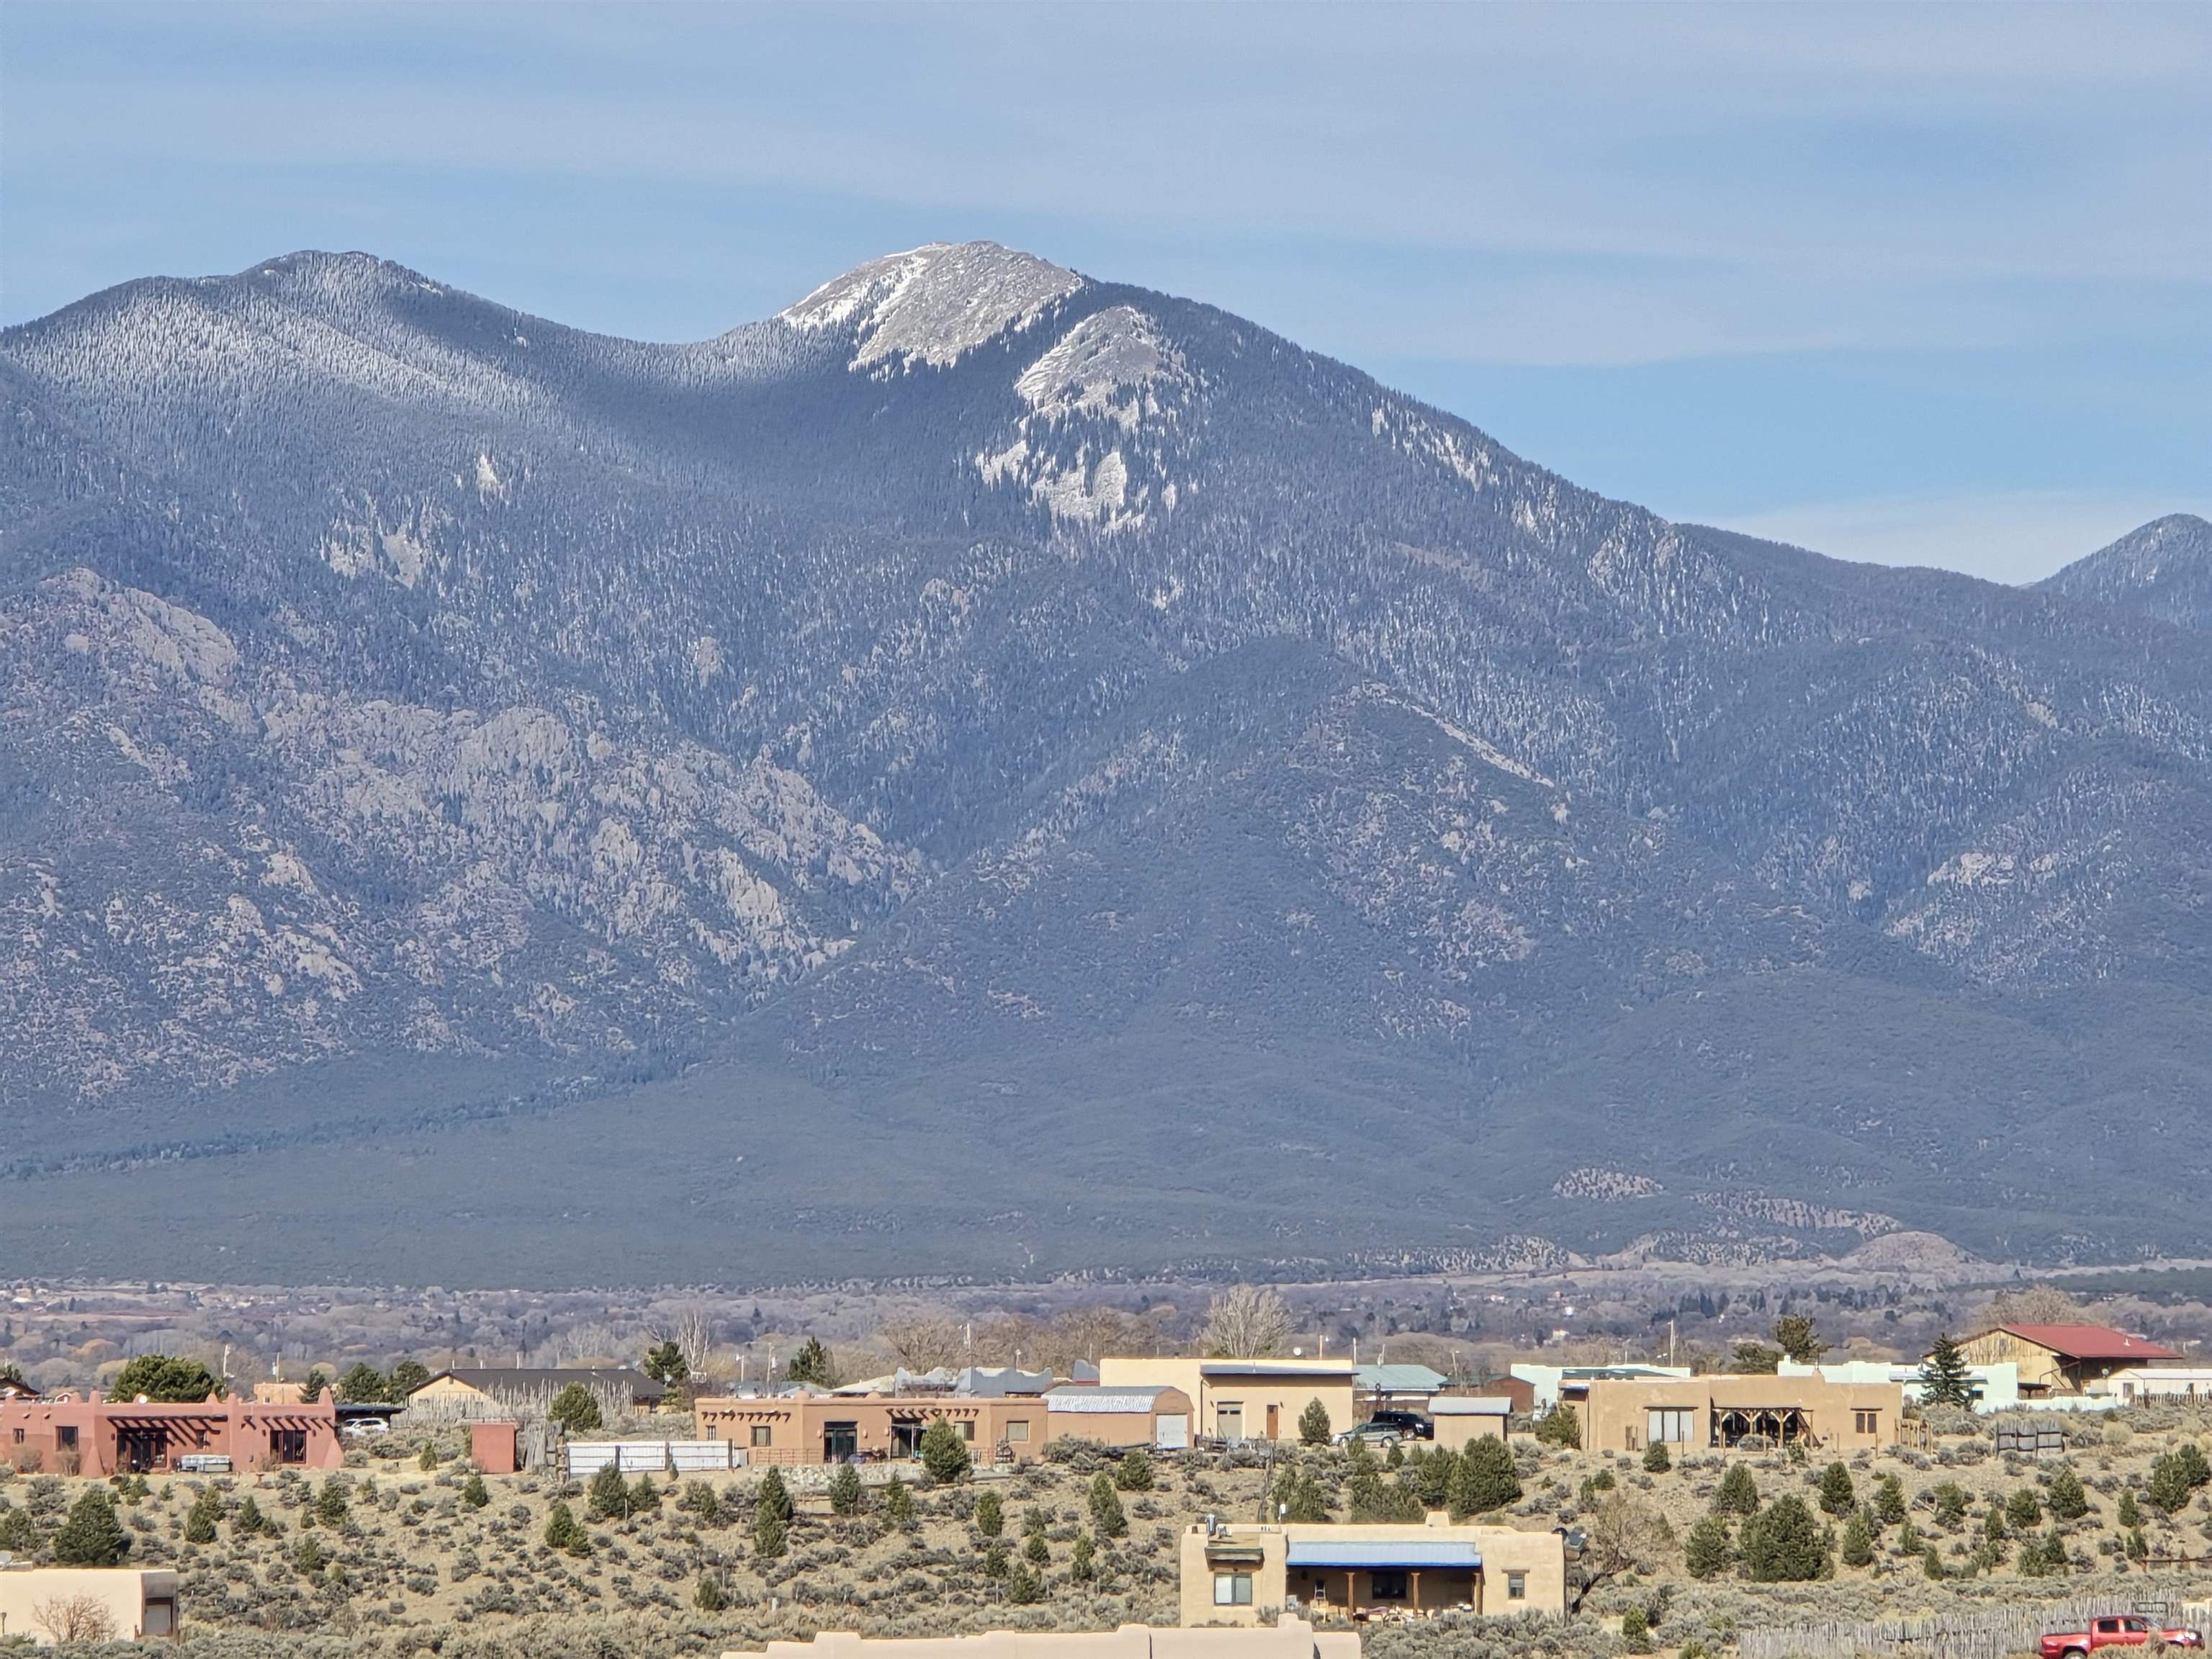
{"points": [[1019, 1430], [1232, 1589], [19, 1437], [65, 1437], [1866, 1422], [1666, 1425], [1516, 1586], [966, 1431], [288, 1445], [1386, 1586], [763, 1435], [1229, 1419]]}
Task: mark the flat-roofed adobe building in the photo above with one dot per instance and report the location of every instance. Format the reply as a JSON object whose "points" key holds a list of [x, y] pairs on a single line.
{"points": [[825, 1428], [1723, 1412], [1286, 1638], [1240, 1574], [2055, 1359], [1458, 1418], [1246, 1398], [62, 1434]]}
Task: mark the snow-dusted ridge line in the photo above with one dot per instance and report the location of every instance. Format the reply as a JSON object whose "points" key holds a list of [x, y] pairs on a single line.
{"points": [[934, 303]]}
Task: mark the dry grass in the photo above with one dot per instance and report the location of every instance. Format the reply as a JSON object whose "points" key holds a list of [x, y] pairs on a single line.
{"points": [[413, 1568]]}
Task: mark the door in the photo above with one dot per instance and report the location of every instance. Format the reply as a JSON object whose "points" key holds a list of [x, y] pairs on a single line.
{"points": [[839, 1441], [1275, 1421], [141, 1449], [1172, 1431]]}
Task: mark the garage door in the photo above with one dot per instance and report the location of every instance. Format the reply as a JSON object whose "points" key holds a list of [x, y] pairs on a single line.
{"points": [[1173, 1433]]}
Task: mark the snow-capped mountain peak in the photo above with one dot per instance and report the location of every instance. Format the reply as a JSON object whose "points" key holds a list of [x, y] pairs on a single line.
{"points": [[933, 303]]}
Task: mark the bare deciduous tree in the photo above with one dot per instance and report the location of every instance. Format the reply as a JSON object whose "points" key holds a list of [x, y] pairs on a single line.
{"points": [[693, 1332], [73, 1619], [923, 1343], [2031, 1304], [1623, 1534], [1246, 1323]]}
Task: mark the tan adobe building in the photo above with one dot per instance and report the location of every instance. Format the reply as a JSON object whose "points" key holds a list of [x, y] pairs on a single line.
{"points": [[1287, 1639], [838, 1428], [131, 1602], [1243, 1574], [1119, 1418], [1717, 1413], [1459, 1418], [1246, 1398], [2063, 1359]]}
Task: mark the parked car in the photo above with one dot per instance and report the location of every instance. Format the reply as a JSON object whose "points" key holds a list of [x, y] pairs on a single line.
{"points": [[1387, 1428], [2122, 1629]]}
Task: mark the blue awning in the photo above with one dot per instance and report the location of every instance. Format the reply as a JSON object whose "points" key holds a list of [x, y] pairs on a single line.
{"points": [[1367, 1554]]}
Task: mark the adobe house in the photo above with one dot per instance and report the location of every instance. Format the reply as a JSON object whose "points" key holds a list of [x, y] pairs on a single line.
{"points": [[1246, 1398], [1721, 1412], [825, 1428], [1286, 1638], [1460, 1418], [1118, 1418], [65, 1435], [2064, 1359], [1240, 1574], [133, 1602]]}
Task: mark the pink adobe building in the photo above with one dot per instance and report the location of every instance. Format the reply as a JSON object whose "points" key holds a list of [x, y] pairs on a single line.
{"points": [[66, 1434]]}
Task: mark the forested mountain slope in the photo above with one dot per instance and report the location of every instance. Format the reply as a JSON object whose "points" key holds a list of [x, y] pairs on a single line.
{"points": [[1136, 777]]}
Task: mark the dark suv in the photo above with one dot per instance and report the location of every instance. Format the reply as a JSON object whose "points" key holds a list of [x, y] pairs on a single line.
{"points": [[1394, 1425]]}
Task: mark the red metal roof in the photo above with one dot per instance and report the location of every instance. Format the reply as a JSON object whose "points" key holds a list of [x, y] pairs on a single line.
{"points": [[2091, 1342]]}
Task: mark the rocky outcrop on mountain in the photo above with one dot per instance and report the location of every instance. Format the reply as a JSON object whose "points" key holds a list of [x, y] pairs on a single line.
{"points": [[981, 668]]}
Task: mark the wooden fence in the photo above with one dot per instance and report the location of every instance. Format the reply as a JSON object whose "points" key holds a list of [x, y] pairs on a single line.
{"points": [[1978, 1635]]}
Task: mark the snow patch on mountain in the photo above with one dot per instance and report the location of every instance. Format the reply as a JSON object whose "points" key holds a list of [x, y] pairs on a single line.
{"points": [[1114, 365], [934, 303]]}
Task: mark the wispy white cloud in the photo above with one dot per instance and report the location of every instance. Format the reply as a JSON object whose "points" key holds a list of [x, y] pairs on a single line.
{"points": [[2018, 537]]}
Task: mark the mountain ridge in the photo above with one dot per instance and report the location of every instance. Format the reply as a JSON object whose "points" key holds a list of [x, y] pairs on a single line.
{"points": [[1006, 669]]}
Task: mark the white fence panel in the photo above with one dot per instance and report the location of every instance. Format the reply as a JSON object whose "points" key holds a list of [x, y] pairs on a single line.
{"points": [[698, 1456]]}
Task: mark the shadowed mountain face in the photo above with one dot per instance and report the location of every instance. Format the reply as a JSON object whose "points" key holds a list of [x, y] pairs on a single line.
{"points": [[992, 770]]}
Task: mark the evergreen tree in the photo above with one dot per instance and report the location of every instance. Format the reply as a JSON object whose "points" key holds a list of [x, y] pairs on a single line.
{"points": [[813, 1363], [1838, 1495], [770, 1530], [576, 1409], [249, 1522], [1708, 1549], [945, 1454], [2069, 1502], [2023, 1508], [311, 1389], [1432, 1472], [898, 1502], [1754, 1359], [1655, 1458], [2168, 1488], [1931, 1562], [665, 1365], [1300, 1499], [1313, 1426], [330, 1504], [1562, 1427], [93, 1536], [606, 1497], [1083, 1558], [1945, 1379], [1781, 1544], [1794, 1333], [845, 1491], [994, 1559], [1485, 1480], [1738, 1493], [644, 1496], [157, 1377], [990, 1515], [407, 1376], [1023, 1586], [563, 1532], [1106, 1517], [1034, 1550], [2193, 1464], [310, 1557], [1134, 1472], [19, 1533], [1858, 1542], [707, 1597], [364, 1384], [205, 1516], [773, 1498], [2130, 1513], [474, 1492]]}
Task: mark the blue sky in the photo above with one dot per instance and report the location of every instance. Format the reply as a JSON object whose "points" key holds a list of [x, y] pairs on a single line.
{"points": [[1931, 286]]}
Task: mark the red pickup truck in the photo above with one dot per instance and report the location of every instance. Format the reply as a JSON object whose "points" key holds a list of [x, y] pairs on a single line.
{"points": [[2121, 1630]]}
